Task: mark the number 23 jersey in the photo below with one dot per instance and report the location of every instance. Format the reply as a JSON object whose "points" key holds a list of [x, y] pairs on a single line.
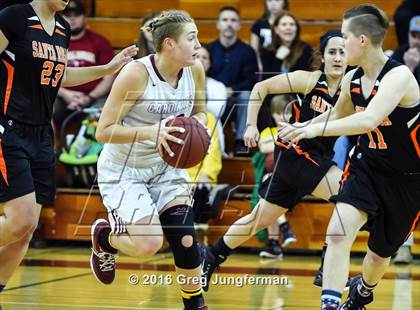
{"points": [[32, 66], [393, 147]]}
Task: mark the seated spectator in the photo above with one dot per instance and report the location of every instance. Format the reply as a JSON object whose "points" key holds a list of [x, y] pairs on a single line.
{"points": [[409, 54], [287, 52], [261, 29], [216, 96], [145, 41], [402, 17], [281, 110], [87, 48], [234, 63]]}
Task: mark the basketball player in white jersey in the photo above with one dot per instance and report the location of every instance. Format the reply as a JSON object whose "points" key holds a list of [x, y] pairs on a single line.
{"points": [[144, 196]]}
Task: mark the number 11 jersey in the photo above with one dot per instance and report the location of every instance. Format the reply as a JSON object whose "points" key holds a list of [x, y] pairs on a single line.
{"points": [[393, 147]]}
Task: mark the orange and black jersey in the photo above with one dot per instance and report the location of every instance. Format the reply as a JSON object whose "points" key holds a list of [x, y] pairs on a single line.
{"points": [[316, 102], [32, 66], [393, 147]]}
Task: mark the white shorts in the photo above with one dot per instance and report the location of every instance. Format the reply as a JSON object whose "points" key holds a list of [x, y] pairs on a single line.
{"points": [[131, 194]]}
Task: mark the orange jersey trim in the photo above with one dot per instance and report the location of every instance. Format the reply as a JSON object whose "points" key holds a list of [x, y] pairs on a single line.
{"points": [[60, 32], [413, 136], [355, 90], [305, 154], [38, 26], [278, 143], [325, 91], [413, 226], [3, 168], [10, 74], [346, 174], [297, 112]]}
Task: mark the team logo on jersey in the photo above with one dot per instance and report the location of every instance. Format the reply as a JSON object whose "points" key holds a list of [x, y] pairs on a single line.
{"points": [[50, 52], [170, 107], [319, 104]]}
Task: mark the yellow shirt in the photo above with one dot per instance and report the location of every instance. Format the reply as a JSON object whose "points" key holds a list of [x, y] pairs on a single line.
{"points": [[212, 163]]}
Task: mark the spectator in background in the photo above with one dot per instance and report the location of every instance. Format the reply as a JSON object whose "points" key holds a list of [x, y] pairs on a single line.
{"points": [[234, 63], [402, 17], [216, 95], [409, 54], [145, 42], [287, 52], [87, 48], [261, 29]]}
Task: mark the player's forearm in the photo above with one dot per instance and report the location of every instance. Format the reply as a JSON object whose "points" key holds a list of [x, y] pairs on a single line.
{"points": [[80, 76], [103, 88], [327, 116], [118, 134], [259, 92], [355, 124]]}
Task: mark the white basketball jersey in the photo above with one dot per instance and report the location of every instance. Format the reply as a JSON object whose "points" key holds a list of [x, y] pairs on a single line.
{"points": [[160, 100]]}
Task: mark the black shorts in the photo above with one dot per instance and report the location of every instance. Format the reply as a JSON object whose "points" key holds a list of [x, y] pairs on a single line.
{"points": [[392, 203], [27, 161], [297, 173]]}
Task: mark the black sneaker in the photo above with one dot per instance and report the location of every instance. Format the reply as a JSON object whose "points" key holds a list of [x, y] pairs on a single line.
{"points": [[272, 250], [355, 301], [288, 235], [318, 280], [208, 265]]}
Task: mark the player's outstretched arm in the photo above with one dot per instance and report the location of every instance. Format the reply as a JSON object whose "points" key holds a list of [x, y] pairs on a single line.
{"points": [[343, 107], [199, 110], [126, 90], [82, 75], [295, 82], [394, 86]]}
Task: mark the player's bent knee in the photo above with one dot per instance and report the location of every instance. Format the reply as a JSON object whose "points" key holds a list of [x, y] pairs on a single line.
{"points": [[376, 259], [178, 227], [24, 225]]}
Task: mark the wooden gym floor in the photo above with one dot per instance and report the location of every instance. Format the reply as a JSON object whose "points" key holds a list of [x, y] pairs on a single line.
{"points": [[60, 278]]}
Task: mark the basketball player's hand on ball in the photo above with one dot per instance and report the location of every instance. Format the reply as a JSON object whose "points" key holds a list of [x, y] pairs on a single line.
{"points": [[297, 131], [121, 59], [162, 134], [251, 136]]}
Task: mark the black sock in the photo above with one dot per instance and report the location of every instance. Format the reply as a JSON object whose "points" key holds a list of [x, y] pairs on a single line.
{"points": [[104, 241], [193, 300], [220, 249], [1, 288]]}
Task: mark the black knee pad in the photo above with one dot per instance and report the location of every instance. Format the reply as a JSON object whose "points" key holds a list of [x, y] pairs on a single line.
{"points": [[177, 222]]}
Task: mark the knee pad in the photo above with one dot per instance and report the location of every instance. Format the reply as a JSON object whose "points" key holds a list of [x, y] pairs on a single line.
{"points": [[178, 227]]}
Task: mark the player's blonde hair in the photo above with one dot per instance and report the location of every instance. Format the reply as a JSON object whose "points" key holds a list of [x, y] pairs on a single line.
{"points": [[169, 24], [369, 20]]}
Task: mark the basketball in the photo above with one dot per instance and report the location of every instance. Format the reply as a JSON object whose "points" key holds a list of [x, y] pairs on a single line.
{"points": [[196, 143]]}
